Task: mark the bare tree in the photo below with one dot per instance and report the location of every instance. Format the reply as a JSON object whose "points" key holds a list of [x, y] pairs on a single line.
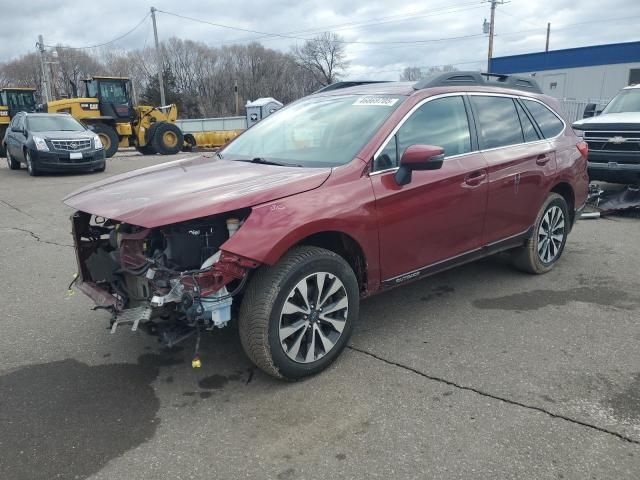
{"points": [[412, 74], [323, 57]]}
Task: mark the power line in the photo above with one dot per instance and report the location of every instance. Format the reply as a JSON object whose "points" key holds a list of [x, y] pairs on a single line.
{"points": [[346, 42], [110, 41], [370, 22]]}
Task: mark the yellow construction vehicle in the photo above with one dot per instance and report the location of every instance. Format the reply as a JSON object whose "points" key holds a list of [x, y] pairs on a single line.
{"points": [[12, 101], [107, 108]]}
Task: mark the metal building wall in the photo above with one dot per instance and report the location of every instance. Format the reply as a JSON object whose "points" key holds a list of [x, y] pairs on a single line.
{"points": [[599, 82]]}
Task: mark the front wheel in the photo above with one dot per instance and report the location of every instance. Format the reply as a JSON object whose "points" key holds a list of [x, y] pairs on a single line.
{"points": [[31, 168], [544, 248], [12, 162], [297, 316], [167, 139]]}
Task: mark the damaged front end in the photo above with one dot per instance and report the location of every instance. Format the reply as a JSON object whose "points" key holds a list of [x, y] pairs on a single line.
{"points": [[170, 281]]}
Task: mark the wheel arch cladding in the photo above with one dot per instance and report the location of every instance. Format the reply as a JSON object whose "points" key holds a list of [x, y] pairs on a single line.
{"points": [[566, 191], [344, 245]]}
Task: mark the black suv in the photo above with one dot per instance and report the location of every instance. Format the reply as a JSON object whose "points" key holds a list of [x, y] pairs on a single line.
{"points": [[52, 142]]}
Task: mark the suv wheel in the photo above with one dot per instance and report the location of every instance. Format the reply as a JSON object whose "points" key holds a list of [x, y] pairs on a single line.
{"points": [[11, 162], [297, 316], [546, 245], [31, 168]]}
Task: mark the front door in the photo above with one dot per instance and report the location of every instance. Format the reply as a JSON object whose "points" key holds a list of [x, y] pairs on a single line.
{"points": [[439, 215]]}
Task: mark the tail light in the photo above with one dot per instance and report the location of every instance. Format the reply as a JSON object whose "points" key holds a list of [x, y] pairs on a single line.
{"points": [[583, 148]]}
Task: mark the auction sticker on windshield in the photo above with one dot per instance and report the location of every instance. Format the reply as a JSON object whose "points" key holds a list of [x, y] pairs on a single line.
{"points": [[379, 101]]}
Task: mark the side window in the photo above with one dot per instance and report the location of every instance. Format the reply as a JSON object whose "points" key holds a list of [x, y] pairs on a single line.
{"points": [[441, 122], [550, 125], [530, 133], [17, 123], [498, 121]]}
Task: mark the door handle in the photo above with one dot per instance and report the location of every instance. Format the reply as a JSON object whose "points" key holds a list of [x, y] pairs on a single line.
{"points": [[543, 159], [474, 179]]}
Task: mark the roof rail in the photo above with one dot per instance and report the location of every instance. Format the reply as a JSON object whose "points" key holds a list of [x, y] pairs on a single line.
{"points": [[478, 78], [348, 83]]}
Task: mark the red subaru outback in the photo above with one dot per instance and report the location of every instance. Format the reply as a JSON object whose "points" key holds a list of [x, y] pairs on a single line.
{"points": [[339, 196]]}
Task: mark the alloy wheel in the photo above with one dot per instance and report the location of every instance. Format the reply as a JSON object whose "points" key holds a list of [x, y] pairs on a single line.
{"points": [[313, 317], [551, 234]]}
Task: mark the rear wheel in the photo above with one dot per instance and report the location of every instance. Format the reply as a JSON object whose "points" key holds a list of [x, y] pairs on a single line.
{"points": [[544, 248], [11, 162], [297, 316], [108, 137], [167, 139], [31, 168]]}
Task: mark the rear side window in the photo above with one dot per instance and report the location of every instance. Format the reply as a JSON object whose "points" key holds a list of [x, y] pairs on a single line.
{"points": [[530, 133], [499, 124], [442, 122], [550, 125]]}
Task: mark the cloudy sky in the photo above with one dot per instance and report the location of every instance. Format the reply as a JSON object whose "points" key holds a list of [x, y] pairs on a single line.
{"points": [[383, 36]]}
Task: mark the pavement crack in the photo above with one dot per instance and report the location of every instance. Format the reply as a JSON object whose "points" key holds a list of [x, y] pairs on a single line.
{"points": [[38, 238], [13, 207], [494, 396]]}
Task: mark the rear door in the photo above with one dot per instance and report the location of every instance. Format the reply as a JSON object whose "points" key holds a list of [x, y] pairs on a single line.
{"points": [[518, 162], [440, 213]]}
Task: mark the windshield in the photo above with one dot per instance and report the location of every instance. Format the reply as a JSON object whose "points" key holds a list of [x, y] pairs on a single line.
{"points": [[113, 91], [53, 123], [21, 101], [315, 132], [625, 101]]}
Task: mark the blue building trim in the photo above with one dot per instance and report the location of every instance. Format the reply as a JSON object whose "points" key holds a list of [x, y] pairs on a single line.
{"points": [[568, 58]]}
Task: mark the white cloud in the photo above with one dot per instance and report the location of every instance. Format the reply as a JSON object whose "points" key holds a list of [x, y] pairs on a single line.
{"points": [[520, 27]]}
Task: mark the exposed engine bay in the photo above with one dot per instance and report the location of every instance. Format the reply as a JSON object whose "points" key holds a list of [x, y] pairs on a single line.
{"points": [[171, 280]]}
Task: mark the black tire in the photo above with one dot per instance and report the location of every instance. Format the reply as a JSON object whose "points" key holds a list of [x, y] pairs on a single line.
{"points": [[109, 138], [146, 150], [527, 258], [265, 297], [189, 143], [167, 139], [3, 149], [12, 162], [31, 167]]}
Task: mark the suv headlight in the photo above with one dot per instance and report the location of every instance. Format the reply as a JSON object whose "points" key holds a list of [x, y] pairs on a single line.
{"points": [[97, 143], [40, 144]]}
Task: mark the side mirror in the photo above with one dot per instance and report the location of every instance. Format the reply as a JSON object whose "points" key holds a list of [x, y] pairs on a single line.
{"points": [[590, 110], [418, 157]]}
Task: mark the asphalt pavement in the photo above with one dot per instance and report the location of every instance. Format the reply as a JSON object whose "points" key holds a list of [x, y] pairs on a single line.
{"points": [[478, 372]]}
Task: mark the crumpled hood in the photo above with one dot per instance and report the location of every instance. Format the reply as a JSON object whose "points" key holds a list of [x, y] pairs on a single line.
{"points": [[191, 188], [623, 118]]}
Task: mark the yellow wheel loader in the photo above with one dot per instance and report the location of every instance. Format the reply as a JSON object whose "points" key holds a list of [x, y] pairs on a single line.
{"points": [[107, 108], [12, 101]]}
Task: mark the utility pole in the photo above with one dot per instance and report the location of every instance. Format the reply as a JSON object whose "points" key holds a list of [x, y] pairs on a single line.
{"points": [[158, 58], [491, 31], [235, 90], [45, 76], [546, 48]]}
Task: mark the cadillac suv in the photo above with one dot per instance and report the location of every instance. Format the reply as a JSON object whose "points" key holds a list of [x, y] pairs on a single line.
{"points": [[341, 195]]}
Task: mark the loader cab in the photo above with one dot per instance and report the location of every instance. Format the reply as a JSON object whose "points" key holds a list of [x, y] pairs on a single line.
{"points": [[18, 99], [114, 96]]}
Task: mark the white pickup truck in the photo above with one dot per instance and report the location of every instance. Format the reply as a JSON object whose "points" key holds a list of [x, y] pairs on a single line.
{"points": [[614, 138]]}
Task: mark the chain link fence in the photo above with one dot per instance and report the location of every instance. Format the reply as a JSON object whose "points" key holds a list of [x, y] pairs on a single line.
{"points": [[574, 109]]}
